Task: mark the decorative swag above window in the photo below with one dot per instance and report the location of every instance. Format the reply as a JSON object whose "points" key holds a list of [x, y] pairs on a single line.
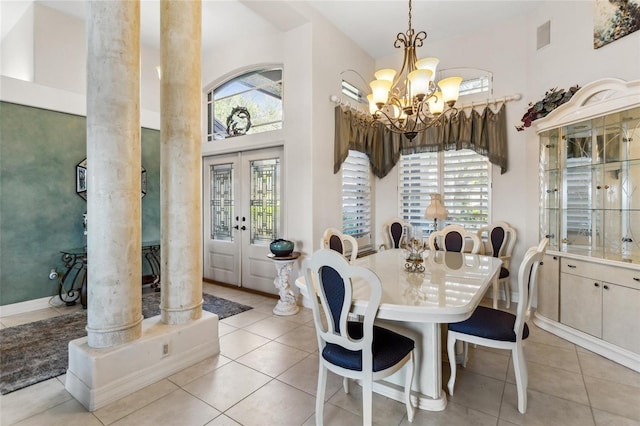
{"points": [[484, 132]]}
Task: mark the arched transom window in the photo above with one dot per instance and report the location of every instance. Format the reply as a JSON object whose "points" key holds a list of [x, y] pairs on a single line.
{"points": [[246, 104]]}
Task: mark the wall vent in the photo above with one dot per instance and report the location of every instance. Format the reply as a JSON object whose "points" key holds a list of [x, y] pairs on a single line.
{"points": [[544, 35]]}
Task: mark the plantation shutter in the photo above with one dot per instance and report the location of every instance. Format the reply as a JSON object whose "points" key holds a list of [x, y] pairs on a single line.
{"points": [[356, 198], [466, 188], [462, 177]]}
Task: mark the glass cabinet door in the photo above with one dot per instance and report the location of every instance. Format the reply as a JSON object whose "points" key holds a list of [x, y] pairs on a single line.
{"points": [[590, 186], [550, 186], [578, 222]]}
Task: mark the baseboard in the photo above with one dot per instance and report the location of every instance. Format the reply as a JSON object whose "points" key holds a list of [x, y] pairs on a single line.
{"points": [[614, 353], [30, 305]]}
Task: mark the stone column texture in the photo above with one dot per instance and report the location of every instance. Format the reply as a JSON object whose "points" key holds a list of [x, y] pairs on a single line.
{"points": [[113, 173], [181, 162]]}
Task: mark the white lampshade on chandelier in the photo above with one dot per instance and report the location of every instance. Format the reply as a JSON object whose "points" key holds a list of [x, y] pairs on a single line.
{"points": [[410, 101]]}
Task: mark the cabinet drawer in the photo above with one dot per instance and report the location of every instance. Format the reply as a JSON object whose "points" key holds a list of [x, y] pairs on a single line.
{"points": [[596, 271]]}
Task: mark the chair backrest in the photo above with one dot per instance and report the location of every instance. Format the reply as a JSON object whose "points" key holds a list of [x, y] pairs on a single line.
{"points": [[455, 238], [342, 243], [500, 239], [330, 276], [527, 280], [395, 232]]}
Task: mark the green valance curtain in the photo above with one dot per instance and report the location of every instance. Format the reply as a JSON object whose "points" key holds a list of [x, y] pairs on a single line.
{"points": [[484, 132]]}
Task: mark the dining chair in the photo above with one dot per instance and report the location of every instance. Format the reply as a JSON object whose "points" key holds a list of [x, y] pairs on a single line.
{"points": [[395, 232], [499, 329], [455, 238], [353, 349], [342, 243], [498, 239]]}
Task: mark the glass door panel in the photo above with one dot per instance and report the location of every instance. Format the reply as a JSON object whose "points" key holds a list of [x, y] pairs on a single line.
{"points": [[549, 149], [578, 144], [265, 201], [631, 133], [221, 200]]}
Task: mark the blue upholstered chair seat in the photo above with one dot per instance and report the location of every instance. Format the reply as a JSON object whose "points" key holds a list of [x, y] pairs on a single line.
{"points": [[504, 272], [490, 324], [388, 349]]}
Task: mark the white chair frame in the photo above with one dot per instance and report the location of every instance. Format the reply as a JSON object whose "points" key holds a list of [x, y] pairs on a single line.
{"points": [[388, 233], [438, 239], [324, 324], [503, 253], [527, 279], [329, 233]]}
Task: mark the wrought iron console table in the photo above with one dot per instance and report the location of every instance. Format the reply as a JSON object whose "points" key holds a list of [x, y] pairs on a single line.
{"points": [[73, 284]]}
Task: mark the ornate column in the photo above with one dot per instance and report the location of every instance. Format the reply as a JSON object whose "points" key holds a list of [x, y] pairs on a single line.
{"points": [[180, 156], [113, 173]]}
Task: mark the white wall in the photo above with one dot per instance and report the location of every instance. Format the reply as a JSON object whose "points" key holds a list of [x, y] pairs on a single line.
{"points": [[17, 44]]}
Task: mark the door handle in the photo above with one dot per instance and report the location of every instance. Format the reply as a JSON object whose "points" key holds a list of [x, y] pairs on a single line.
{"points": [[243, 227], [235, 227]]}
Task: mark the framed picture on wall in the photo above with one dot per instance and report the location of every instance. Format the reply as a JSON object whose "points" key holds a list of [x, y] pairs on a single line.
{"points": [[614, 19]]}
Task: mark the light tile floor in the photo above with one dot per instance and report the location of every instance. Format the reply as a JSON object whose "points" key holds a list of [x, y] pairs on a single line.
{"points": [[266, 375]]}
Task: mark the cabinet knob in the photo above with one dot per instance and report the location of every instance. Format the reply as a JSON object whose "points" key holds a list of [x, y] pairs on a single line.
{"points": [[596, 285], [606, 187], [606, 287], [636, 279], [598, 187], [555, 257], [572, 266]]}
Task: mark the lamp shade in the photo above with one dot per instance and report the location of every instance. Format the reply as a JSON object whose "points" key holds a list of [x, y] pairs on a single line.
{"points": [[436, 210], [436, 103], [380, 90], [428, 64], [387, 74], [450, 88], [419, 82]]}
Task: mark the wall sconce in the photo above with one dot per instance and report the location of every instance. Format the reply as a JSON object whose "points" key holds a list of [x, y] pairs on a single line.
{"points": [[436, 210]]}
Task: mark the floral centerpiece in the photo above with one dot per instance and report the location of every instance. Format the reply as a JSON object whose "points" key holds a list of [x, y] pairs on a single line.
{"points": [[553, 98]]}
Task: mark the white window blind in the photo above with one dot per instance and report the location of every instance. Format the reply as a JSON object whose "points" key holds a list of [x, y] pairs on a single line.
{"points": [[462, 177], [356, 198]]}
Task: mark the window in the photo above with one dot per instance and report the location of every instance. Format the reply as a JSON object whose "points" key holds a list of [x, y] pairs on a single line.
{"points": [[462, 177], [356, 198], [476, 83], [353, 92], [247, 104]]}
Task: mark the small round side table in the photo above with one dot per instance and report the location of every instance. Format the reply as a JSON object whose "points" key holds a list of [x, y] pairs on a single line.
{"points": [[284, 265]]}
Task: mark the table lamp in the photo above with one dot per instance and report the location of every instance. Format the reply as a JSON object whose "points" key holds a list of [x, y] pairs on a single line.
{"points": [[436, 210]]}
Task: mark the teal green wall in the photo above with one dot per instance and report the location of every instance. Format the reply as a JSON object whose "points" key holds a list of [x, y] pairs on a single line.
{"points": [[40, 212]]}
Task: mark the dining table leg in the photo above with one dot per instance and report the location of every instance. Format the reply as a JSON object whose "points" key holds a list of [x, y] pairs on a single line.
{"points": [[427, 392]]}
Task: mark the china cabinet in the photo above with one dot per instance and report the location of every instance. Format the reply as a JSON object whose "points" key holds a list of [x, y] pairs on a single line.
{"points": [[589, 173]]}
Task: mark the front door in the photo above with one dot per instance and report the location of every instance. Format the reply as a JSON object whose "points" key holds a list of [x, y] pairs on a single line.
{"points": [[242, 215]]}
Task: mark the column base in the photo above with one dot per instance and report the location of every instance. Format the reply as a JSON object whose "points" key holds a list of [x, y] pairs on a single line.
{"points": [[284, 308], [98, 377]]}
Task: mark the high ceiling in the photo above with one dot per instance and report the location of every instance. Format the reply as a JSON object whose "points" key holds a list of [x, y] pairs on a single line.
{"points": [[372, 24]]}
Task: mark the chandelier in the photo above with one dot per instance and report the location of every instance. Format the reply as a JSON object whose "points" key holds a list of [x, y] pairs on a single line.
{"points": [[409, 101]]}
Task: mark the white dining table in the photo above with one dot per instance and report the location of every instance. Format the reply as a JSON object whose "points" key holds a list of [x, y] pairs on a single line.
{"points": [[416, 304]]}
